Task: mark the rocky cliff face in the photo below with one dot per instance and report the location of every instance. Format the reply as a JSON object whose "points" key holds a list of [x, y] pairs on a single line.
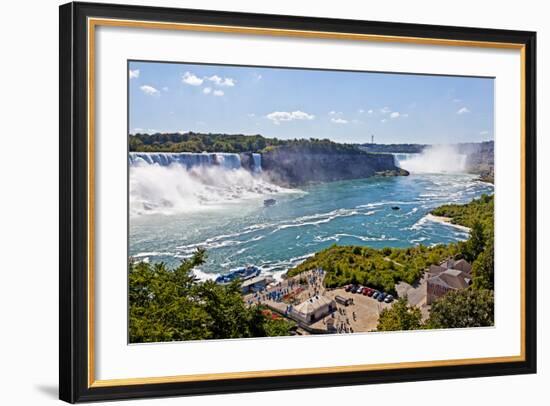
{"points": [[292, 167], [481, 159]]}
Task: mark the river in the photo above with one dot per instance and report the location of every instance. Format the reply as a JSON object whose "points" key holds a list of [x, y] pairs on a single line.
{"points": [[176, 208]]}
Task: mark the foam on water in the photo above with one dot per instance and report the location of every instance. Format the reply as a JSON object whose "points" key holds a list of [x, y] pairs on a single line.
{"points": [[433, 159], [204, 276], [277, 238], [170, 183]]}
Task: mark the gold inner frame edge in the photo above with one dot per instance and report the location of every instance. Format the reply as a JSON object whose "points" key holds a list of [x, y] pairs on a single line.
{"points": [[94, 22]]}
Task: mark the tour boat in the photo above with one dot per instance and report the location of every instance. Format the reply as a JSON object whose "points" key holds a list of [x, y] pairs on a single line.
{"points": [[240, 274]]}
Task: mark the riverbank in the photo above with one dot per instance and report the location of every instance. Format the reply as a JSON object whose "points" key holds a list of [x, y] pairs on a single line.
{"points": [[447, 221], [406, 272], [384, 268]]}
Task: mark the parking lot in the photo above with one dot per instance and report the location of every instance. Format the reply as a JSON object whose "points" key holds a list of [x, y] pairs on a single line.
{"points": [[366, 311]]}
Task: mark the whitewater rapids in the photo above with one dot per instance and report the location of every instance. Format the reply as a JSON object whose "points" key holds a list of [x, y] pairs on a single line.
{"points": [[171, 183]]}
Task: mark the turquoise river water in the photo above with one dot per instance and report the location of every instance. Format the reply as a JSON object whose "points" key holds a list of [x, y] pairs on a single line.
{"points": [[176, 208]]}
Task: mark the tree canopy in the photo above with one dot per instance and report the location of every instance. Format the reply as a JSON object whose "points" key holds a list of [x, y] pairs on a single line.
{"points": [[233, 143], [479, 248], [477, 211], [463, 308], [400, 316], [172, 305], [381, 269]]}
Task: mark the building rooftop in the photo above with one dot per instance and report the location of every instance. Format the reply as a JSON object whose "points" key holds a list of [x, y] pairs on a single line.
{"points": [[313, 304], [454, 278], [460, 264], [463, 265], [451, 278], [436, 269]]}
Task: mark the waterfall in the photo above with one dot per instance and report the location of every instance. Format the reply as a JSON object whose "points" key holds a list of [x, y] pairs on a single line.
{"points": [[186, 159], [168, 183], [400, 158], [227, 161], [257, 159], [433, 159]]}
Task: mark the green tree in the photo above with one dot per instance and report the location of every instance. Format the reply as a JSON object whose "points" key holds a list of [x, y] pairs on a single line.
{"points": [[172, 305], [400, 316], [483, 268], [476, 243], [463, 308]]}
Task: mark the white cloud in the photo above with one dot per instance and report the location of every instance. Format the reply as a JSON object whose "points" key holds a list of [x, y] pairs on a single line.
{"points": [[383, 120], [251, 115], [149, 90], [214, 78], [405, 115], [370, 111], [338, 121], [257, 76], [457, 100], [190, 79], [463, 110], [361, 111], [485, 132], [134, 74], [208, 90], [278, 116], [219, 81], [165, 89], [395, 114], [385, 110]]}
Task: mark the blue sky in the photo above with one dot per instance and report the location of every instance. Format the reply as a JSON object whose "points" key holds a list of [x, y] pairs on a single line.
{"points": [[294, 103]]}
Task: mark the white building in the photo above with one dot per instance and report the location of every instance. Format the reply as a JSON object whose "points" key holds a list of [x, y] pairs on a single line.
{"points": [[312, 309]]}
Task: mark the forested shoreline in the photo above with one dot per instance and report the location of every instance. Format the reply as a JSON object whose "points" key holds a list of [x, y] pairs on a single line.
{"points": [[232, 143]]}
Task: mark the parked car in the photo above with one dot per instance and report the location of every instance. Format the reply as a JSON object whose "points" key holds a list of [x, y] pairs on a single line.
{"points": [[371, 292], [375, 294], [366, 291], [358, 289], [388, 299], [381, 297], [348, 288]]}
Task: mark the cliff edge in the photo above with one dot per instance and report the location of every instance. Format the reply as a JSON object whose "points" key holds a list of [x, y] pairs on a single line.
{"points": [[295, 165]]}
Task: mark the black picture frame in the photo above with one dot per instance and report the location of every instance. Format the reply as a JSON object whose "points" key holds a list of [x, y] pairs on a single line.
{"points": [[74, 384]]}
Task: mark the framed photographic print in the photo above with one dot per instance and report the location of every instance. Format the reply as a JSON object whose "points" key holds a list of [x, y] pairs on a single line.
{"points": [[258, 202]]}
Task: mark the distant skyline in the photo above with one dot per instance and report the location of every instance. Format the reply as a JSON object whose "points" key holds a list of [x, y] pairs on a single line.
{"points": [[298, 103]]}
